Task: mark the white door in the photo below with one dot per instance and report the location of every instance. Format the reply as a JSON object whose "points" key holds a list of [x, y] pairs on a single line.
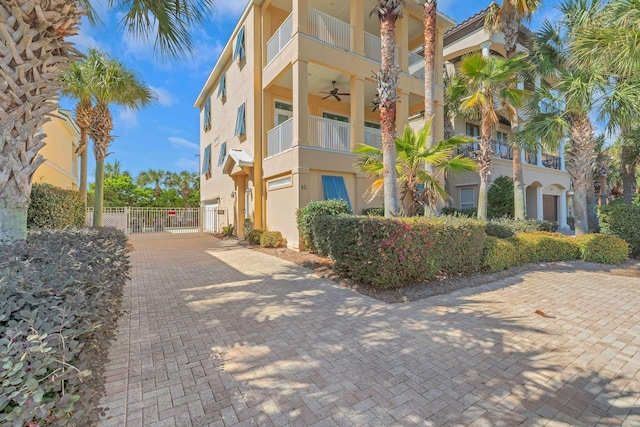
{"points": [[211, 218]]}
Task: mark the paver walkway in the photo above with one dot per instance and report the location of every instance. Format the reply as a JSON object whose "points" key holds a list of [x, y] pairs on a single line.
{"points": [[219, 335]]}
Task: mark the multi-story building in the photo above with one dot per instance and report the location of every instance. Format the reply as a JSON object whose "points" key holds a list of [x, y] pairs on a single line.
{"points": [[289, 98], [61, 165], [547, 182]]}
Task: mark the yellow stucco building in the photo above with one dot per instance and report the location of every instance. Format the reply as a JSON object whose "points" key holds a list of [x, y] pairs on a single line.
{"points": [[61, 165]]}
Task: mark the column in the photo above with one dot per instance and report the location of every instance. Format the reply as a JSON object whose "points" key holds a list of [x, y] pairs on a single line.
{"points": [[539, 204], [402, 112], [300, 103], [486, 48], [539, 155], [356, 19], [357, 111], [402, 40], [562, 210], [561, 154], [300, 17]]}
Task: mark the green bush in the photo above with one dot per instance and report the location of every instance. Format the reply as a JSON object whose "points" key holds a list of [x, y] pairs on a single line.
{"points": [[468, 213], [500, 198], [622, 221], [254, 236], [271, 239], [542, 246], [60, 299], [499, 254], [227, 230], [388, 253], [505, 227], [54, 207], [603, 248], [306, 215], [373, 211]]}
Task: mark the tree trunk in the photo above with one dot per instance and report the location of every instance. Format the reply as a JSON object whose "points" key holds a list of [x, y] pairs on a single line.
{"points": [[32, 35], [518, 176], [628, 172], [100, 130], [84, 158], [388, 96], [580, 209], [484, 164], [98, 196], [579, 166], [430, 7]]}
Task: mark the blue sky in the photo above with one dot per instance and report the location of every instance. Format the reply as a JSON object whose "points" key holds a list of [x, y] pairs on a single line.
{"points": [[165, 135]]}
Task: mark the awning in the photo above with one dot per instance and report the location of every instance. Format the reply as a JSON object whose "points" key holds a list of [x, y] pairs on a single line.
{"points": [[235, 161]]}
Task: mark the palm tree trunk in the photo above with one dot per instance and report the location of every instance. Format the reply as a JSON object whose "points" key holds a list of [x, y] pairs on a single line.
{"points": [[484, 164], [592, 203], [32, 35], [628, 172], [100, 130], [98, 200], [388, 95], [84, 158], [579, 166], [430, 7], [518, 176]]}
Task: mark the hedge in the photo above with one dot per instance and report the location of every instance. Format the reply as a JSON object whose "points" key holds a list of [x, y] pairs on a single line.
{"points": [[388, 253], [373, 211], [499, 254], [60, 298], [54, 207], [603, 248], [468, 213], [622, 221], [542, 246], [505, 227], [254, 236], [306, 215], [271, 239]]}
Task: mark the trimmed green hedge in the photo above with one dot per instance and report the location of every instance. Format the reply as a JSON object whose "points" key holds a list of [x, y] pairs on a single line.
{"points": [[499, 254], [542, 246], [468, 213], [373, 211], [622, 221], [60, 298], [254, 236], [306, 216], [505, 227], [603, 248], [271, 239], [388, 253], [54, 207]]}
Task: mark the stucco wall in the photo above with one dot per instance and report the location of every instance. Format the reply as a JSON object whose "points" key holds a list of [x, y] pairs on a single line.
{"points": [[61, 165]]}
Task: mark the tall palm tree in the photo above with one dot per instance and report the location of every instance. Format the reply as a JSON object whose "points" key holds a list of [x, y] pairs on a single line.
{"points": [[114, 170], [629, 162], [185, 182], [388, 11], [156, 177], [507, 19], [112, 83], [413, 153], [36, 47], [487, 86]]}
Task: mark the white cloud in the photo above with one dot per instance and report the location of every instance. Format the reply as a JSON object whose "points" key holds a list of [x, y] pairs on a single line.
{"points": [[165, 98], [229, 9], [188, 164], [128, 117], [178, 142]]}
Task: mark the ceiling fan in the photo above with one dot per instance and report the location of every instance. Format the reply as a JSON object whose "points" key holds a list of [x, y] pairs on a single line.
{"points": [[335, 92]]}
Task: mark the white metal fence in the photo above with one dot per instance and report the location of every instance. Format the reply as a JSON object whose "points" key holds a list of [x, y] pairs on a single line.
{"points": [[329, 29], [280, 138], [280, 39]]}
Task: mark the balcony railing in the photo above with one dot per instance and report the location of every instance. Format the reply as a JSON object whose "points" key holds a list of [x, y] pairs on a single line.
{"points": [[280, 138], [329, 134], [501, 150], [373, 48], [280, 39], [373, 137], [531, 158], [550, 161], [328, 29], [416, 65]]}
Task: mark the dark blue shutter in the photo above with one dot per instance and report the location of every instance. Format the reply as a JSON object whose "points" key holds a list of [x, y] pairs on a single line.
{"points": [[335, 189], [238, 52], [222, 88], [206, 161], [223, 153], [240, 121], [207, 114]]}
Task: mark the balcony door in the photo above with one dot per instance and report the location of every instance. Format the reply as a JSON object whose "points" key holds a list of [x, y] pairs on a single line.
{"points": [[283, 112]]}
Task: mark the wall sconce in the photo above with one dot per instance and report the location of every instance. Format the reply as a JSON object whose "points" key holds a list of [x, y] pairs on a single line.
{"points": [[248, 191], [233, 194]]}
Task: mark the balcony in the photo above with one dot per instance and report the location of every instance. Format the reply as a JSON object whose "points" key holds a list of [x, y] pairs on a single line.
{"points": [[373, 137], [280, 39], [328, 29], [501, 150], [279, 138], [550, 161], [329, 134]]}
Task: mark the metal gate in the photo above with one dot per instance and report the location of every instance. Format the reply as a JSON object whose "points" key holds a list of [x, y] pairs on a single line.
{"points": [[145, 223]]}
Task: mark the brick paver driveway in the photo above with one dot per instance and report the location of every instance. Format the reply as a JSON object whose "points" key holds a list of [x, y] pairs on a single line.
{"points": [[219, 335]]}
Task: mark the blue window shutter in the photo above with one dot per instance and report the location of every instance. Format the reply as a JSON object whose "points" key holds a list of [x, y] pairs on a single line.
{"points": [[222, 87], [223, 153], [238, 52], [335, 189], [207, 114], [206, 161], [240, 121]]}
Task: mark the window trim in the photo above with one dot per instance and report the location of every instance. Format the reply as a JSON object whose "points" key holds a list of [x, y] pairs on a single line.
{"points": [[279, 183], [222, 87], [475, 126], [206, 161], [240, 47], [336, 115], [207, 114]]}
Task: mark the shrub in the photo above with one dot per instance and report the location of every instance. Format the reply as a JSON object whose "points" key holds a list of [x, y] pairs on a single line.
{"points": [[60, 298], [271, 239], [54, 207], [500, 198], [387, 253], [603, 248], [499, 254], [254, 236], [468, 213], [505, 227], [373, 211], [622, 221], [306, 215], [542, 246], [227, 230]]}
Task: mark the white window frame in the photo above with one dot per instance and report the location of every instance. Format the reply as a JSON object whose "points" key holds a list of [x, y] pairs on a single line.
{"points": [[473, 198], [279, 183]]}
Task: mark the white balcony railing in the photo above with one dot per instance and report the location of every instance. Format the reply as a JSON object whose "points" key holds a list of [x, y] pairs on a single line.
{"points": [[329, 134], [279, 138], [373, 137], [328, 29], [280, 39], [373, 46], [416, 65]]}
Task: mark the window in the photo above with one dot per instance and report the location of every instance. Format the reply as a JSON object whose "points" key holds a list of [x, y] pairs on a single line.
{"points": [[223, 153], [239, 51], [206, 161], [334, 189], [222, 87], [207, 114], [240, 122], [473, 130], [283, 112], [372, 125], [279, 183], [466, 198], [336, 117], [501, 137]]}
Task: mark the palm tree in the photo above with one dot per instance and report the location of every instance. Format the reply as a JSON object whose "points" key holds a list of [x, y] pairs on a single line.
{"points": [[507, 19], [487, 86], [36, 47], [185, 182], [112, 83], [629, 162], [113, 170], [413, 153], [388, 11], [76, 85], [155, 177]]}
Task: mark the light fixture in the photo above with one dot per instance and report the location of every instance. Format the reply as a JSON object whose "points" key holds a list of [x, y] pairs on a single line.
{"points": [[233, 194]]}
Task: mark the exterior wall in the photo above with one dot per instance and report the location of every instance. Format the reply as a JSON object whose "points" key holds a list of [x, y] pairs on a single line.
{"points": [[61, 165]]}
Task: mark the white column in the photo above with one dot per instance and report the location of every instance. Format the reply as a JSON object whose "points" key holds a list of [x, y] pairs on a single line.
{"points": [[300, 10], [562, 210], [561, 154], [486, 48], [300, 103], [357, 111], [539, 204], [539, 159]]}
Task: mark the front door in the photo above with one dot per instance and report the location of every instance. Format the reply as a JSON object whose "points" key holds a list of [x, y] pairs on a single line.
{"points": [[550, 207]]}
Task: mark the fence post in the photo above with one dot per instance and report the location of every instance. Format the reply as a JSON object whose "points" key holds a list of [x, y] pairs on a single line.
{"points": [[201, 218]]}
